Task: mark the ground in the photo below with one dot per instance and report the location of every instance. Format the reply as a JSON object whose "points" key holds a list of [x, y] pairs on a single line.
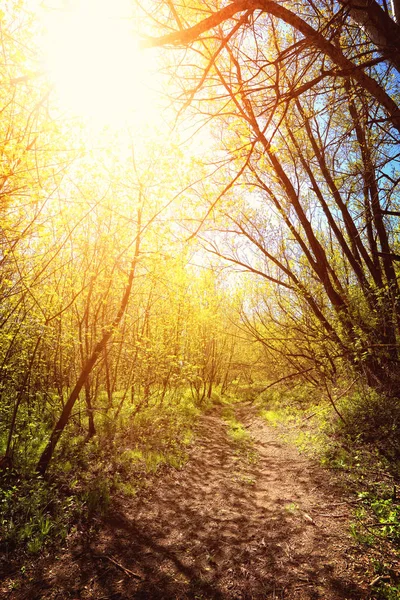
{"points": [[238, 522]]}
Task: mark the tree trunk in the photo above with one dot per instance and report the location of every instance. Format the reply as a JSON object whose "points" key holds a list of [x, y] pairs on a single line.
{"points": [[99, 348]]}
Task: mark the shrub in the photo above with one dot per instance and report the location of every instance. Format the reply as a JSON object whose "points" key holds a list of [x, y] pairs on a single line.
{"points": [[373, 418]]}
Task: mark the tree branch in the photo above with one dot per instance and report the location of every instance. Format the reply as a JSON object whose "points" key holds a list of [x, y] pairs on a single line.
{"points": [[314, 37]]}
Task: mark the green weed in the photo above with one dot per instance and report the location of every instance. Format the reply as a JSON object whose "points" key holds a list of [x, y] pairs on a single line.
{"points": [[385, 513], [386, 584], [97, 497], [236, 431], [292, 508], [387, 591], [272, 417], [34, 513]]}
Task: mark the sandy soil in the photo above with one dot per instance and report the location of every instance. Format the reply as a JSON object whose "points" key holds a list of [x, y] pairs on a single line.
{"points": [[264, 523]]}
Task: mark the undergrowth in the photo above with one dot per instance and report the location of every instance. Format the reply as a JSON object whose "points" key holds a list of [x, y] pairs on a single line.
{"points": [[37, 513]]}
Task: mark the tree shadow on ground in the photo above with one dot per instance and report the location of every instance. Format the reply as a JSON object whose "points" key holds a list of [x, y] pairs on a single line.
{"points": [[225, 527]]}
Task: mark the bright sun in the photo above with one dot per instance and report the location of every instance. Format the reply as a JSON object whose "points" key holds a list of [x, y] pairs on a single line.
{"points": [[94, 61]]}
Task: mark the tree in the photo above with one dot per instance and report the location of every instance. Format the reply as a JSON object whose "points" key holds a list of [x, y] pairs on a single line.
{"points": [[97, 351], [307, 111], [328, 24], [102, 315]]}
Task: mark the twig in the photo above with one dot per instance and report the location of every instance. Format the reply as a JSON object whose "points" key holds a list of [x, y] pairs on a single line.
{"points": [[378, 579], [286, 377], [333, 402], [117, 564], [341, 516]]}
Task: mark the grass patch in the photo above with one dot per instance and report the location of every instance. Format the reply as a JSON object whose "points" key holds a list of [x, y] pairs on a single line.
{"points": [[128, 450], [236, 431], [292, 508], [240, 437], [272, 417], [35, 513], [291, 419]]}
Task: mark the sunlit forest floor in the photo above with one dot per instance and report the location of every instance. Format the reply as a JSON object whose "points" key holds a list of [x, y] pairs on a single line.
{"points": [[246, 517]]}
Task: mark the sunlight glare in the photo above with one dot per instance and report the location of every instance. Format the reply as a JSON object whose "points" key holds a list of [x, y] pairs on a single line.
{"points": [[95, 63]]}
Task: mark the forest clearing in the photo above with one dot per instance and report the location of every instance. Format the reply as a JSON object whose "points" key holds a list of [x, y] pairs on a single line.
{"points": [[200, 299]]}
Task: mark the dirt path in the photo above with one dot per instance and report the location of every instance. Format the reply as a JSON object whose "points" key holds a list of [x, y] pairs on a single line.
{"points": [[231, 525]]}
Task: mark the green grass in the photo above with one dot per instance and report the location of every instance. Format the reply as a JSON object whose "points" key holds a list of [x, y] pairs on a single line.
{"points": [[292, 508], [125, 454], [292, 425], [236, 431], [241, 439], [34, 513]]}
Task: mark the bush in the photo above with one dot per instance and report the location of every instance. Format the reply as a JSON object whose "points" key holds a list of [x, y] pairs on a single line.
{"points": [[373, 418]]}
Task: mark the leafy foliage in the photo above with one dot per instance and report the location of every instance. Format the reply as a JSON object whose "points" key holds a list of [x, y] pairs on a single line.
{"points": [[145, 274]]}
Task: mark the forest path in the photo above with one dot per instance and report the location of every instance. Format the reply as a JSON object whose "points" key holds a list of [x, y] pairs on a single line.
{"points": [[256, 522]]}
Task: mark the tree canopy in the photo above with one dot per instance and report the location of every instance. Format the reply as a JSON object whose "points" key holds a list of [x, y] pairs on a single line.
{"points": [[276, 160], [306, 101]]}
